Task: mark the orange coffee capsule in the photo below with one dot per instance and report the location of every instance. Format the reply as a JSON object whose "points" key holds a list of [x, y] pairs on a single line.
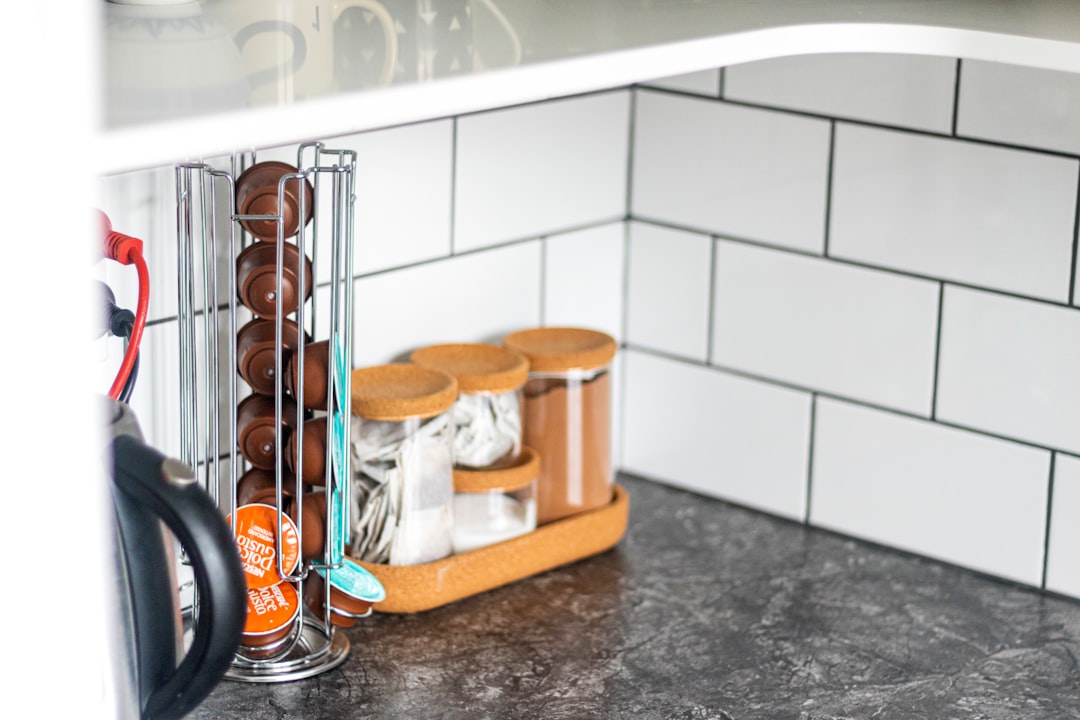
{"points": [[256, 535]]}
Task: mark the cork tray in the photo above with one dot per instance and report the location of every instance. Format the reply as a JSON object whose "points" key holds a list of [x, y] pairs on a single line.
{"points": [[415, 588]]}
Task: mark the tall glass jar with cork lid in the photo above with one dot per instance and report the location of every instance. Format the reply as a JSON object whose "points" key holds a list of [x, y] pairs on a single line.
{"points": [[568, 416], [402, 447]]}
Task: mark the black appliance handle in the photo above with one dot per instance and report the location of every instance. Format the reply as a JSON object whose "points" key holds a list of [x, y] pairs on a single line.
{"points": [[191, 515]]}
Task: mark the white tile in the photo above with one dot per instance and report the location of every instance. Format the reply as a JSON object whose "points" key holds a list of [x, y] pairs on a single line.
{"points": [[404, 178], [583, 278], [730, 170], [542, 168], [849, 331], [925, 488], [668, 291], [1009, 367], [403, 195], [1063, 557], [479, 297], [716, 434], [905, 90], [1020, 105], [703, 82], [978, 214]]}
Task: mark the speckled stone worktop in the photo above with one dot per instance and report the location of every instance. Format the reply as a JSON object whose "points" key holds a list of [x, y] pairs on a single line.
{"points": [[706, 611]]}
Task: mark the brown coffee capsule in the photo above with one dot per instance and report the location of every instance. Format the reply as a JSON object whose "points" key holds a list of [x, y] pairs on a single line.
{"points": [[256, 278], [257, 194], [344, 608], [314, 460], [255, 343], [312, 522], [260, 486], [316, 373], [255, 423]]}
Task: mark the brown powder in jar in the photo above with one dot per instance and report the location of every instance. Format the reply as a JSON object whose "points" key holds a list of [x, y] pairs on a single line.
{"points": [[568, 422]]}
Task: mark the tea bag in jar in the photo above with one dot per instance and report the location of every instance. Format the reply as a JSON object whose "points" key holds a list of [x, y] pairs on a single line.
{"points": [[488, 412], [402, 464]]}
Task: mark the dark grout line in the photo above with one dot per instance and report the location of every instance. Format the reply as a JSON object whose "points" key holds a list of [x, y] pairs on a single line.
{"points": [[1076, 243], [430, 261], [941, 135], [1049, 514], [937, 351], [819, 392], [829, 187], [956, 97], [852, 263], [720, 89], [810, 457]]}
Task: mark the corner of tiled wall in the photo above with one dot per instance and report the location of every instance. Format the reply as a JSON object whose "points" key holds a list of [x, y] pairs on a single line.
{"points": [[844, 285], [873, 330]]}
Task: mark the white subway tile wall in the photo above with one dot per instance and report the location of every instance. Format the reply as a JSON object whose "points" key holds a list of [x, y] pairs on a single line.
{"points": [[729, 170], [404, 182], [1063, 557], [478, 297], [720, 435], [1010, 367], [539, 169], [1020, 106], [583, 278], [862, 288], [978, 214], [934, 490], [906, 90], [668, 291], [839, 329]]}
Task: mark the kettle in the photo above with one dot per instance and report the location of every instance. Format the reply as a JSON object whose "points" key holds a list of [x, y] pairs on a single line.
{"points": [[155, 499]]}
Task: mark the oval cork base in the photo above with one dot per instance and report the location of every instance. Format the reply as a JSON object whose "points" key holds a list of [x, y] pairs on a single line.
{"points": [[415, 588]]}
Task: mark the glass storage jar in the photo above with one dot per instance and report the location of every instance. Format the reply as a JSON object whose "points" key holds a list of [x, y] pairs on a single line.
{"points": [[568, 416], [402, 450], [492, 506], [487, 413]]}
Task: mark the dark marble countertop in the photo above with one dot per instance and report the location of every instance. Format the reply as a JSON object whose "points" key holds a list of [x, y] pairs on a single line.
{"points": [[706, 611]]}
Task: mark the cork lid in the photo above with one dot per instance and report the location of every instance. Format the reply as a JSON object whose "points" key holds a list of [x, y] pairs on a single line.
{"points": [[401, 390], [524, 469], [556, 349], [478, 367]]}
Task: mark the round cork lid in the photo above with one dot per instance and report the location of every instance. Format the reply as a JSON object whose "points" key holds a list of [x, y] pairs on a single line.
{"points": [[478, 367], [557, 349], [525, 469], [400, 390]]}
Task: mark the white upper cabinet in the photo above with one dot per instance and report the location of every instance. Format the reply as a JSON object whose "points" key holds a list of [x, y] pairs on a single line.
{"points": [[193, 79]]}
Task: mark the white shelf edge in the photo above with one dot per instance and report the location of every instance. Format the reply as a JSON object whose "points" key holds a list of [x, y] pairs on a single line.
{"points": [[324, 118]]}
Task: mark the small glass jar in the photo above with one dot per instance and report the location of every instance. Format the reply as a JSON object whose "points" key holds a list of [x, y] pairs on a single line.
{"points": [[568, 416], [491, 506], [487, 414], [402, 451]]}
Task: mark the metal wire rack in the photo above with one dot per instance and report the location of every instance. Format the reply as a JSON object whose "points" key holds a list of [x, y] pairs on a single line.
{"points": [[210, 235]]}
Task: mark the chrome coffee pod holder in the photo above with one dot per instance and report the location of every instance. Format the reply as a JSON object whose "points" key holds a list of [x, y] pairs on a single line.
{"points": [[209, 235]]}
